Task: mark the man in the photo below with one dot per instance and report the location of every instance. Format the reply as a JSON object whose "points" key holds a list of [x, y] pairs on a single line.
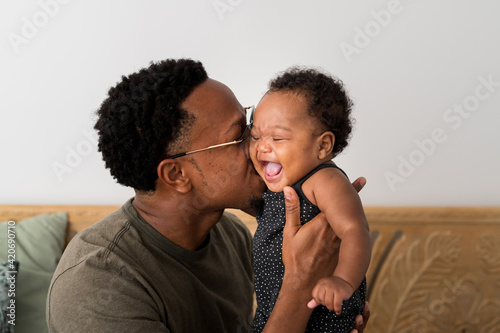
{"points": [[171, 260]]}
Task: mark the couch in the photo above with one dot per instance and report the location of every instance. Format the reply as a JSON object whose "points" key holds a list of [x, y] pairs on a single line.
{"points": [[433, 269]]}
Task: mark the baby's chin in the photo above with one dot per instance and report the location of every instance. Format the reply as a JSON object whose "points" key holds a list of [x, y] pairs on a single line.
{"points": [[277, 188]]}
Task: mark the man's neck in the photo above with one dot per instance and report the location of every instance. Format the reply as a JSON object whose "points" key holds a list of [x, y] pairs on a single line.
{"points": [[176, 220]]}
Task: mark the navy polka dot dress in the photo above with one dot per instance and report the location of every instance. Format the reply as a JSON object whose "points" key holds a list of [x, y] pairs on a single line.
{"points": [[269, 270]]}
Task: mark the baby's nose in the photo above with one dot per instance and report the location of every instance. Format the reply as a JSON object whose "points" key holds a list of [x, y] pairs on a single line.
{"points": [[263, 147]]}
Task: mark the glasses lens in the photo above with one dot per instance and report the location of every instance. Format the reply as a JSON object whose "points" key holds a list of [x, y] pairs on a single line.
{"points": [[249, 110], [245, 144], [246, 133]]}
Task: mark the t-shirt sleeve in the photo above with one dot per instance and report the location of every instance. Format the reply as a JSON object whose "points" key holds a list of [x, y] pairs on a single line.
{"points": [[101, 297]]}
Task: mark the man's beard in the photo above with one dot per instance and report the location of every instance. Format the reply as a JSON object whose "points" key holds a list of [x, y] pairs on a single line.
{"points": [[257, 204]]}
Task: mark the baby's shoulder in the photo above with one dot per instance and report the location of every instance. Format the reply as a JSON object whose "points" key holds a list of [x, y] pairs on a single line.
{"points": [[324, 180], [330, 173]]}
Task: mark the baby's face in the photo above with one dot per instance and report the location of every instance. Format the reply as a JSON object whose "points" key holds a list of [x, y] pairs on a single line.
{"points": [[284, 144]]}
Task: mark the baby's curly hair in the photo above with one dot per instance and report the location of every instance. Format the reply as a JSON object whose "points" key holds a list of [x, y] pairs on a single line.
{"points": [[327, 100], [141, 120]]}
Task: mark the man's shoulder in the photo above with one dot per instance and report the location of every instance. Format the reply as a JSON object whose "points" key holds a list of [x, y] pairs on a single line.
{"points": [[96, 241], [102, 232], [99, 277]]}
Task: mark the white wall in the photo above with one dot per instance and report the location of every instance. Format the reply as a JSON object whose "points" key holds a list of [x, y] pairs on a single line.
{"points": [[407, 65]]}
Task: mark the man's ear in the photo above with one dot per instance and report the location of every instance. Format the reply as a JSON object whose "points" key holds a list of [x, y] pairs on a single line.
{"points": [[326, 142], [172, 174]]}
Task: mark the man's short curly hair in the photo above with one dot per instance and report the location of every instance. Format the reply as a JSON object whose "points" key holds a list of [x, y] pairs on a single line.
{"points": [[141, 119], [326, 97]]}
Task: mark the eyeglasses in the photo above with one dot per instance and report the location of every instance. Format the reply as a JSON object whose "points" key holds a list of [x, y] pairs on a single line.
{"points": [[242, 138]]}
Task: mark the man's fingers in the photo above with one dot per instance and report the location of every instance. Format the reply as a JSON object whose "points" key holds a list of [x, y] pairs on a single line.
{"points": [[292, 206], [360, 321], [359, 183], [366, 314]]}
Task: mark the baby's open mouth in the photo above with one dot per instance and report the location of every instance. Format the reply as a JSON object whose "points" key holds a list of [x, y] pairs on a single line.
{"points": [[272, 170]]}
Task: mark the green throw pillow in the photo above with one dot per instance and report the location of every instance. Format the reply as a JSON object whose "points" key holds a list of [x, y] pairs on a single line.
{"points": [[39, 245]]}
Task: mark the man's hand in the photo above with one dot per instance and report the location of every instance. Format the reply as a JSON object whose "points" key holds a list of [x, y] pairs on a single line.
{"points": [[361, 321], [359, 183], [306, 248]]}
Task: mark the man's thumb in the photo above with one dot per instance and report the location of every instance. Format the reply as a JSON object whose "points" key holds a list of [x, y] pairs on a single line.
{"points": [[292, 206]]}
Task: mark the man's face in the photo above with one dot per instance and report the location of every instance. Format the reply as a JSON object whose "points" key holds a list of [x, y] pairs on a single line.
{"points": [[223, 177]]}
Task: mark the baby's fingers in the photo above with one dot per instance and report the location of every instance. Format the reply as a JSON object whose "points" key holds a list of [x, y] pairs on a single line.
{"points": [[329, 300], [337, 303], [312, 304], [318, 295]]}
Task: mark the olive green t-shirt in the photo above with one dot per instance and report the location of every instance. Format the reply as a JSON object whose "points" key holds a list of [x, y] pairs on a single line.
{"points": [[121, 275]]}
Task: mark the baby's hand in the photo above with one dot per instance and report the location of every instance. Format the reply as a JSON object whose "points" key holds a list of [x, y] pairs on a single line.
{"points": [[330, 292]]}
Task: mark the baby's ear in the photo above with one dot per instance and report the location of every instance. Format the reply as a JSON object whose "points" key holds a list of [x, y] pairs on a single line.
{"points": [[326, 143]]}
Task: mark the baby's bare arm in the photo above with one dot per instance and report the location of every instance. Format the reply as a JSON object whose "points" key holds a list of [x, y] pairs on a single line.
{"points": [[332, 192]]}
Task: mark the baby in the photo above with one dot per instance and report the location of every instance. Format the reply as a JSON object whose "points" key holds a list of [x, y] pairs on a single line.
{"points": [[300, 125]]}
